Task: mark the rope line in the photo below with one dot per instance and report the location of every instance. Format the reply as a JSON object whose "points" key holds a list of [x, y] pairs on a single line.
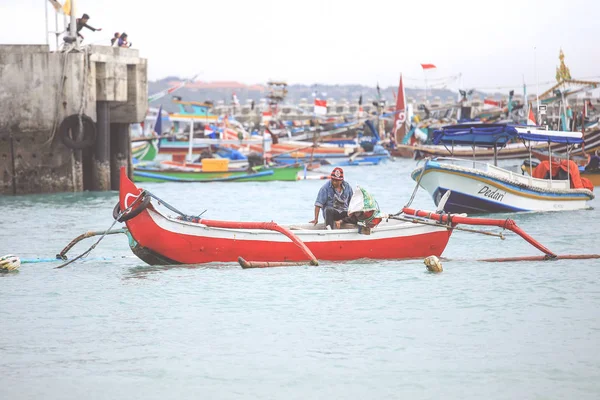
{"points": [[88, 251]]}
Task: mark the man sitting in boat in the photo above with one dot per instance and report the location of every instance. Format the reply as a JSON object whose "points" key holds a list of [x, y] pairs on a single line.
{"points": [[334, 198]]}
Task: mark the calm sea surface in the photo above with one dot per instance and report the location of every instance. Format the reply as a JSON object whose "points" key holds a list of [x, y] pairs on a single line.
{"points": [[112, 327]]}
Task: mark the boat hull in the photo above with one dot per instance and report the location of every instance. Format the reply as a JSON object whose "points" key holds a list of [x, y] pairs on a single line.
{"points": [[144, 150], [510, 152], [266, 175], [475, 192]]}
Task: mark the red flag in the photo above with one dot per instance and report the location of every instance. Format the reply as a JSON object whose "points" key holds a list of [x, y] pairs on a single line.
{"points": [[428, 66], [531, 117], [491, 102], [320, 107], [267, 116], [399, 128]]}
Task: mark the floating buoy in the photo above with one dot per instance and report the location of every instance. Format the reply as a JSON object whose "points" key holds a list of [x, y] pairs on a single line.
{"points": [[9, 262], [433, 264]]}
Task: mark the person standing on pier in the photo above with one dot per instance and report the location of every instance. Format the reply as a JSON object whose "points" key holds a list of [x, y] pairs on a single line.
{"points": [[81, 23], [115, 38]]}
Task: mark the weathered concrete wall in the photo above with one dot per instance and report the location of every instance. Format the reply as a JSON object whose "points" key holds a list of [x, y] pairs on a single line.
{"points": [[38, 89]]}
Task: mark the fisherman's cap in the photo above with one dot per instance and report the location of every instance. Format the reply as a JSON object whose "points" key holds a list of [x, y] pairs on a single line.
{"points": [[337, 174]]}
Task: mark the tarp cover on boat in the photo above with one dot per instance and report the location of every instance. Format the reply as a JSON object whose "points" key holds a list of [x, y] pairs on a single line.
{"points": [[541, 135], [365, 208], [488, 135], [568, 167]]}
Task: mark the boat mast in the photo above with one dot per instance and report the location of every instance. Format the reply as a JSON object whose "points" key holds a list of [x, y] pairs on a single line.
{"points": [[191, 141], [537, 87], [550, 160]]}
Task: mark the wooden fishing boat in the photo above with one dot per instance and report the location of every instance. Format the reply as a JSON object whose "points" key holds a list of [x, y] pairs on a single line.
{"points": [[160, 239], [590, 145], [486, 188], [256, 174], [362, 158], [144, 150], [510, 151]]}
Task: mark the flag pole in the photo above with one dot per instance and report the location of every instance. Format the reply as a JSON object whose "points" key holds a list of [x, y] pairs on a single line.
{"points": [[47, 28], [525, 100], [56, 33], [537, 87], [425, 75], [73, 26]]}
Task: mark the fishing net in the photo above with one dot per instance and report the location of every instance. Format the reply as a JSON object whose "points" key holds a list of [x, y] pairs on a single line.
{"points": [[365, 208]]}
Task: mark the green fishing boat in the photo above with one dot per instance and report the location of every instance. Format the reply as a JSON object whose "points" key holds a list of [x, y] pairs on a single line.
{"points": [[144, 150], [256, 174]]}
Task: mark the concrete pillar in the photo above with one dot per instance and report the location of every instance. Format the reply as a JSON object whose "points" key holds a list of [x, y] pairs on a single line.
{"points": [[102, 148], [120, 149]]}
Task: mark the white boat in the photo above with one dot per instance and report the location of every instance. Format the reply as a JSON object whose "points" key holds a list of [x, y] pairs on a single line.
{"points": [[479, 187]]}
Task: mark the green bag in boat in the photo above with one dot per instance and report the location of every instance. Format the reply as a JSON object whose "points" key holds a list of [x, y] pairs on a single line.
{"points": [[365, 208]]}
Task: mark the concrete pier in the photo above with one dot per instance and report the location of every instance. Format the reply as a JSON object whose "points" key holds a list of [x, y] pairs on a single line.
{"points": [[120, 152], [102, 148], [64, 117]]}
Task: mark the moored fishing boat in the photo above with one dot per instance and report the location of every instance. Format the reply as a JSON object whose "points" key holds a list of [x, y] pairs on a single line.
{"points": [[144, 150], [478, 187], [511, 151], [163, 239], [255, 174]]}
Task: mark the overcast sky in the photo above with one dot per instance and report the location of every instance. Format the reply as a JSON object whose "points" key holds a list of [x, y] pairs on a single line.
{"points": [[491, 43]]}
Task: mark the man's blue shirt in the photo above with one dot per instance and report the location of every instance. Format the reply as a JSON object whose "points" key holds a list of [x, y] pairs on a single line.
{"points": [[328, 197]]}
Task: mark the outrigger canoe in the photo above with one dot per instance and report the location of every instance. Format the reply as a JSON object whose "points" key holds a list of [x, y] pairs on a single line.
{"points": [[160, 239]]}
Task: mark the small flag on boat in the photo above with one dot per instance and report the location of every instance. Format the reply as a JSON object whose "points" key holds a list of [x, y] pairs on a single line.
{"points": [[320, 107], [158, 125], [531, 117], [399, 127], [491, 103], [267, 116], [428, 66], [235, 99]]}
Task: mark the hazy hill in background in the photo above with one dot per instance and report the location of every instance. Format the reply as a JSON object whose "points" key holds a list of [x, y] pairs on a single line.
{"points": [[224, 90]]}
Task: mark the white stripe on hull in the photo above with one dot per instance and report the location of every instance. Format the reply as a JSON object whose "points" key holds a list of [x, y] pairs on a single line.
{"points": [[385, 230]]}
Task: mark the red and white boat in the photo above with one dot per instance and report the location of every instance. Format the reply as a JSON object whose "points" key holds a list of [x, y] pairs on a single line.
{"points": [[159, 239]]}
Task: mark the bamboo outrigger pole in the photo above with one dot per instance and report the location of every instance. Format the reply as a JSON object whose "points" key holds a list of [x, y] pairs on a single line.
{"points": [[269, 226]]}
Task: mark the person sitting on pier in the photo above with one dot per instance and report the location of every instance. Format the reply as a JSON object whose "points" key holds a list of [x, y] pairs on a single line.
{"points": [[115, 38], [334, 198], [81, 23], [123, 41]]}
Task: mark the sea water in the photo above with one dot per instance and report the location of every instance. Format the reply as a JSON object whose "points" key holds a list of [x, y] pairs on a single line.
{"points": [[109, 326]]}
